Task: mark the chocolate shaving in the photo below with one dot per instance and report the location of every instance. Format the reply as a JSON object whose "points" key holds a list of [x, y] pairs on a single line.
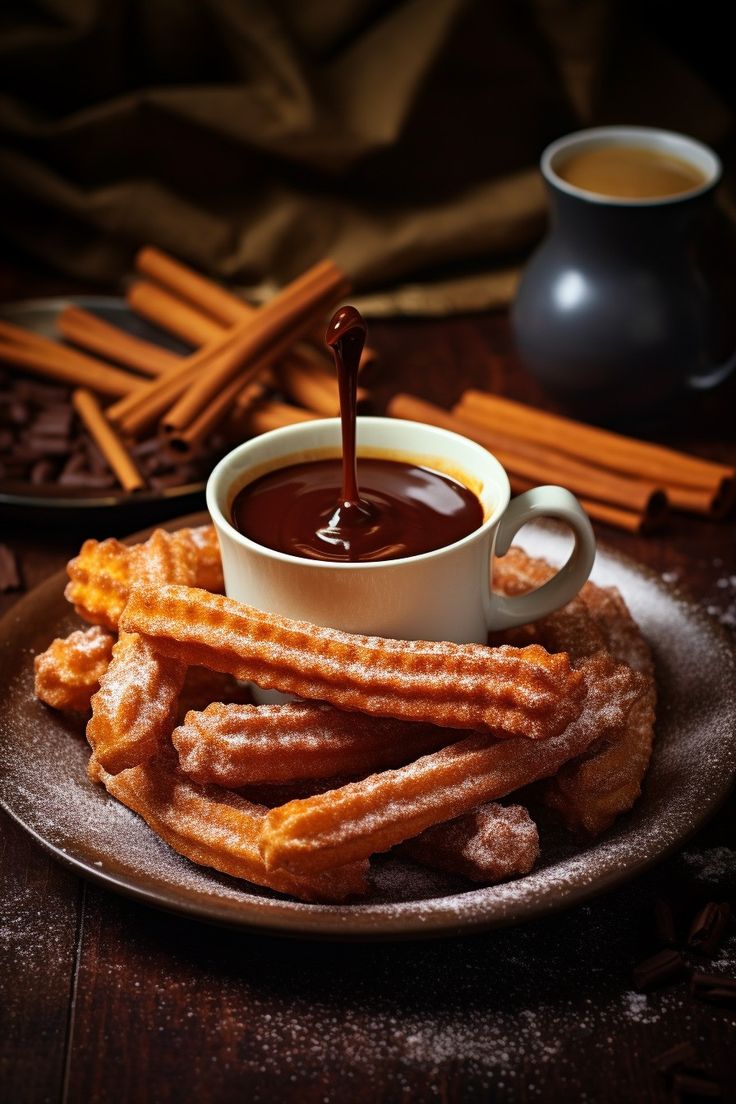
{"points": [[9, 574], [679, 1056], [714, 989], [661, 969], [709, 927], [664, 923], [690, 1085]]}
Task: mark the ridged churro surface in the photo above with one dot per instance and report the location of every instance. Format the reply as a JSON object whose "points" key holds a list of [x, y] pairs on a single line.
{"points": [[241, 745], [488, 845], [68, 673], [590, 792], [215, 827], [103, 574], [134, 711], [506, 690], [382, 810]]}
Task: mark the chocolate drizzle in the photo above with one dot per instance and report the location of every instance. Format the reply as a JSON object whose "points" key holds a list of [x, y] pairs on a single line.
{"points": [[399, 509]]}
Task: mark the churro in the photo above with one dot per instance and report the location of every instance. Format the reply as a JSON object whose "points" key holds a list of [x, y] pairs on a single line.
{"points": [[101, 576], [68, 673], [505, 690], [242, 745], [488, 845], [384, 809], [214, 827], [590, 792], [134, 710]]}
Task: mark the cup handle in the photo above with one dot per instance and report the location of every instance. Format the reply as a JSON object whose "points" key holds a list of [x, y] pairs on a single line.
{"points": [[505, 613]]}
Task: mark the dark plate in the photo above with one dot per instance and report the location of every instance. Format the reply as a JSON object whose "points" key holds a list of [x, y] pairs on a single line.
{"points": [[43, 785], [19, 498]]}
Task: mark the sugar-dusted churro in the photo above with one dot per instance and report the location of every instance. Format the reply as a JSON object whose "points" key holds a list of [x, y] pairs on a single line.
{"points": [[68, 673], [134, 710], [201, 687], [384, 809], [101, 576], [215, 827], [506, 690], [488, 845], [243, 745], [590, 792]]}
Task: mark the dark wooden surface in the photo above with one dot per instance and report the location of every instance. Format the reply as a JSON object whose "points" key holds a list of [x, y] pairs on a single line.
{"points": [[107, 1000]]}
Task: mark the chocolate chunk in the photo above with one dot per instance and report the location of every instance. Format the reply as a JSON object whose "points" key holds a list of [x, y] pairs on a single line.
{"points": [[18, 412], [664, 923], [679, 1056], [709, 927], [47, 446], [55, 421], [714, 989], [9, 574], [691, 1086], [42, 472], [85, 479], [661, 969]]}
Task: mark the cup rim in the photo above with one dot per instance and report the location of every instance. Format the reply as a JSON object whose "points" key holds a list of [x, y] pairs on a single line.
{"points": [[671, 141], [293, 433]]}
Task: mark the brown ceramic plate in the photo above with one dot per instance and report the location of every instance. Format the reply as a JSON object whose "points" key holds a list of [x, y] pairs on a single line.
{"points": [[43, 785]]}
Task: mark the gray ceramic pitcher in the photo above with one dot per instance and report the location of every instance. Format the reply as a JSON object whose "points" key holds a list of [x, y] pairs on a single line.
{"points": [[612, 309]]}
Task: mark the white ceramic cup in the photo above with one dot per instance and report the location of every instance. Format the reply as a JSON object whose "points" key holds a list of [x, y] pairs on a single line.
{"points": [[440, 595]]}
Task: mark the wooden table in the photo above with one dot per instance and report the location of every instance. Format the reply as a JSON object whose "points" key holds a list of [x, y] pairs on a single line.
{"points": [[108, 1000]]}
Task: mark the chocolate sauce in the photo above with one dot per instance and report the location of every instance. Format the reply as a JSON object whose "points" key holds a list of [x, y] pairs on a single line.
{"points": [[316, 509], [412, 509]]}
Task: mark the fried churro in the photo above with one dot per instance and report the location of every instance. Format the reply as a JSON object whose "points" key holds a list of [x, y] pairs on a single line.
{"points": [[506, 690], [590, 792], [68, 673], [242, 745], [214, 827], [134, 710], [384, 809], [488, 845], [102, 575]]}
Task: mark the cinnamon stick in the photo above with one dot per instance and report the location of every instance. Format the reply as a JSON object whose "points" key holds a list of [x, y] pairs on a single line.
{"points": [[602, 447], [94, 334], [631, 521], [187, 318], [634, 496], [188, 440], [272, 414], [75, 369], [191, 286], [184, 321], [143, 413], [108, 442], [263, 338]]}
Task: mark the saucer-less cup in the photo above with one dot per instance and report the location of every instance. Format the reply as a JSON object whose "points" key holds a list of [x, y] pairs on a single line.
{"points": [[440, 595], [612, 309]]}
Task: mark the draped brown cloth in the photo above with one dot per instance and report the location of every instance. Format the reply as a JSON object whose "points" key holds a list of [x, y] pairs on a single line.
{"points": [[251, 137]]}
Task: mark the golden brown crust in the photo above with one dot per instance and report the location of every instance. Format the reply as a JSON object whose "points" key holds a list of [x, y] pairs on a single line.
{"points": [[590, 792], [103, 574], [134, 710], [508, 691], [68, 673], [384, 809], [214, 827], [487, 845], [244, 745]]}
